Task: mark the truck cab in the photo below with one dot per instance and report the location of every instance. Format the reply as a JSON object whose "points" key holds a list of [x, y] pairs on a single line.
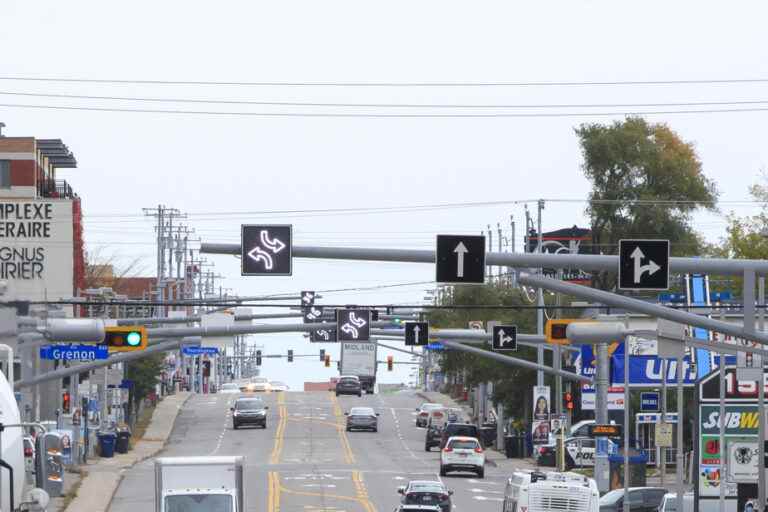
{"points": [[202, 484]]}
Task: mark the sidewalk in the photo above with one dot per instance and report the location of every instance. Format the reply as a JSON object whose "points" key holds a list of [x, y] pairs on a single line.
{"points": [[102, 476]]}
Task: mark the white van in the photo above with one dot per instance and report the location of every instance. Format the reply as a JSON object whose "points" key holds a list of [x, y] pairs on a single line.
{"points": [[534, 491], [669, 502]]}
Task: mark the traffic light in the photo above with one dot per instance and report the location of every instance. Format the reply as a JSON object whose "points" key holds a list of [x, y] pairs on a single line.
{"points": [[328, 361], [206, 368], [258, 358], [322, 354], [555, 330], [290, 356], [390, 363], [65, 403], [125, 339], [568, 400]]}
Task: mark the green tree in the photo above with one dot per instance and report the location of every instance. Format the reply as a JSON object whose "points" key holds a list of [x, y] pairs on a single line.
{"points": [[630, 163], [145, 374]]}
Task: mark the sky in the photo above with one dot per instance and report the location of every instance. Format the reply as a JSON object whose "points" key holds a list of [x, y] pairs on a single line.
{"points": [[225, 170]]}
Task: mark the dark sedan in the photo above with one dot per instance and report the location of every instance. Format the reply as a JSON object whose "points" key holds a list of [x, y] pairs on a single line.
{"points": [[249, 411], [362, 418], [426, 492], [349, 386]]}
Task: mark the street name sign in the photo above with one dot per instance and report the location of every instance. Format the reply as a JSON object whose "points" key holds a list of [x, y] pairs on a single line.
{"points": [[200, 351], [643, 264], [504, 338], [460, 259], [435, 346], [74, 352], [353, 324], [416, 334], [649, 401], [265, 250]]}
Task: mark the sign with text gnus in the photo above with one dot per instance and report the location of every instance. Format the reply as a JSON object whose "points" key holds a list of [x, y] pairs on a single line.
{"points": [[37, 249]]}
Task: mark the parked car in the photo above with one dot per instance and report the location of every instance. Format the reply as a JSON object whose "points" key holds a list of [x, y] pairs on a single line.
{"points": [[278, 386], [248, 411], [258, 384], [433, 437], [362, 418], [462, 454], [349, 385], [229, 388], [422, 413], [459, 429], [426, 492], [669, 502], [418, 508], [641, 499]]}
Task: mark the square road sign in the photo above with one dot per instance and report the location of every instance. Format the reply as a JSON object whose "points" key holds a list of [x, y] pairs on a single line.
{"points": [[460, 259], [353, 324], [266, 250], [643, 264], [416, 333]]}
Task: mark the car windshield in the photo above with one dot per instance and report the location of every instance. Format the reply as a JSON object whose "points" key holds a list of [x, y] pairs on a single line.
{"points": [[361, 411], [467, 444], [230, 386], [612, 497], [462, 430], [248, 405], [277, 383], [433, 488], [427, 407], [198, 503]]}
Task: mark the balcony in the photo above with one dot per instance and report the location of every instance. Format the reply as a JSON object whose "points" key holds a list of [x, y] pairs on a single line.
{"points": [[58, 189]]}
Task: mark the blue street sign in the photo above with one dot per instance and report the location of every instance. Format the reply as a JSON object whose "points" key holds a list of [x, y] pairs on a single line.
{"points": [[74, 352], [649, 401], [435, 346], [200, 351]]}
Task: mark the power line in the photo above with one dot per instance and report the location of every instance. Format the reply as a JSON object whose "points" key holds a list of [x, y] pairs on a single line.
{"points": [[387, 105], [498, 115], [703, 81]]}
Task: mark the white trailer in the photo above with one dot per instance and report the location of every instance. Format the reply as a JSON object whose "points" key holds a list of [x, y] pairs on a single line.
{"points": [[359, 359], [204, 484]]}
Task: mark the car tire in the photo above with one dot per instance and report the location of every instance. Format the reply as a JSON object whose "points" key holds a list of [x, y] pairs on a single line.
{"points": [[234, 426], [264, 426], [337, 393], [360, 395], [443, 471], [481, 473], [349, 429], [427, 448], [376, 429]]}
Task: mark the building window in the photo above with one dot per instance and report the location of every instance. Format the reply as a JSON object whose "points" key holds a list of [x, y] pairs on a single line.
{"points": [[5, 174]]}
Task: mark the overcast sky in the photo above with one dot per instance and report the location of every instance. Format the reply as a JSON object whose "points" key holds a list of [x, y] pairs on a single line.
{"points": [[231, 167]]}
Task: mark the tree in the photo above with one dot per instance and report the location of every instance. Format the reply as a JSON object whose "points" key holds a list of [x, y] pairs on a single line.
{"points": [[747, 237], [145, 375], [630, 164]]}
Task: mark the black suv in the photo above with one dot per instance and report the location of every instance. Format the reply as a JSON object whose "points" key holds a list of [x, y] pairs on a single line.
{"points": [[249, 411], [459, 429]]}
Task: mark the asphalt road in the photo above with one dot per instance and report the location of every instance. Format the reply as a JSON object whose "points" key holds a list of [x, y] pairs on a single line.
{"points": [[305, 461]]}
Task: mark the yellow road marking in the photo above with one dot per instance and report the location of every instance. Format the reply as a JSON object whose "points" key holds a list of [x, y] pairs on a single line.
{"points": [[364, 502], [349, 457], [362, 492], [280, 432]]}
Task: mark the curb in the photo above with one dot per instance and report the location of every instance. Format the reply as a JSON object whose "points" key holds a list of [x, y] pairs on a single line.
{"points": [[110, 487]]}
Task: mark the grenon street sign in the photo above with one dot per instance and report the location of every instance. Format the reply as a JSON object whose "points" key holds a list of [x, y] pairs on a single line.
{"points": [[643, 264], [266, 249], [353, 324], [504, 338], [416, 333], [74, 352], [460, 259]]}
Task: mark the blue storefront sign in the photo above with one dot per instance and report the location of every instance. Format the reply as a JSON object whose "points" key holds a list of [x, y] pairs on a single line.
{"points": [[74, 352], [644, 371], [200, 351], [649, 401]]}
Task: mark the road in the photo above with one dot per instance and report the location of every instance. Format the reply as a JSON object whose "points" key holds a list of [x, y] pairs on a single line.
{"points": [[305, 461]]}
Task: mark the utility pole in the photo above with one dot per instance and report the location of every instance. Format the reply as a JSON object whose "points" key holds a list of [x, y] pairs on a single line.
{"points": [[540, 299]]}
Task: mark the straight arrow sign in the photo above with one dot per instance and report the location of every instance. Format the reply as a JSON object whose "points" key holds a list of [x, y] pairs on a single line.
{"points": [[460, 259], [416, 333], [460, 251]]}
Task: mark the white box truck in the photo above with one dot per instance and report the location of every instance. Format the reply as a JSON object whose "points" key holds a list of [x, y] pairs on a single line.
{"points": [[203, 484], [359, 358]]}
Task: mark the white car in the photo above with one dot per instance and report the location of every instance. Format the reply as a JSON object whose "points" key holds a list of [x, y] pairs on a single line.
{"points": [[462, 454], [278, 386], [229, 387], [258, 384]]}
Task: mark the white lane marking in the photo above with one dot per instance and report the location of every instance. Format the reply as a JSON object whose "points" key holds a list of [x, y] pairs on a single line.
{"points": [[324, 486], [484, 482], [483, 498], [486, 491]]}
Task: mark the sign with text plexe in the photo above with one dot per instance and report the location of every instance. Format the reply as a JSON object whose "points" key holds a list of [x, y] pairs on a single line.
{"points": [[460, 259], [265, 250]]}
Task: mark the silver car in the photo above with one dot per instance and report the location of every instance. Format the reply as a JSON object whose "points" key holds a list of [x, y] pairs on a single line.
{"points": [[362, 418]]}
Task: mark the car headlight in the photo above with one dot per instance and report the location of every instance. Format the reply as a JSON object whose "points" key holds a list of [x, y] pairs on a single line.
{"points": [[236, 413]]}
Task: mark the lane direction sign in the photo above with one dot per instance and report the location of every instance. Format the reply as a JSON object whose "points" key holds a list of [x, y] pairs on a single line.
{"points": [[312, 314], [416, 334], [504, 338], [643, 264], [307, 298], [266, 249], [460, 259], [353, 324], [324, 335]]}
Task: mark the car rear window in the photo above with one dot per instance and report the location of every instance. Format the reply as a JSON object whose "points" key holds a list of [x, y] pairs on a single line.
{"points": [[349, 381], [463, 444], [361, 411], [462, 430]]}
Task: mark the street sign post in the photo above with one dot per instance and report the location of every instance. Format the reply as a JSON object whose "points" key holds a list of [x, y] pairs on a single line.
{"points": [[265, 250], [200, 351], [649, 401], [643, 264], [416, 334], [74, 352], [504, 338], [353, 324], [460, 259]]}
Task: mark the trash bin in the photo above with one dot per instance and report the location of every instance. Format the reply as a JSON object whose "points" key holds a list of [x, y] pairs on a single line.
{"points": [[513, 447], [488, 434], [107, 444], [121, 445]]}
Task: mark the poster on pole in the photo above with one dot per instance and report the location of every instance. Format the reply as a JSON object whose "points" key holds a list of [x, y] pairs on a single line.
{"points": [[541, 397]]}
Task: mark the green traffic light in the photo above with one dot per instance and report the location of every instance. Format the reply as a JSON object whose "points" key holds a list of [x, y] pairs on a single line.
{"points": [[133, 338]]}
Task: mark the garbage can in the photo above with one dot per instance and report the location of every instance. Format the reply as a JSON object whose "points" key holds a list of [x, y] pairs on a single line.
{"points": [[121, 445], [488, 434], [513, 447], [107, 444]]}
